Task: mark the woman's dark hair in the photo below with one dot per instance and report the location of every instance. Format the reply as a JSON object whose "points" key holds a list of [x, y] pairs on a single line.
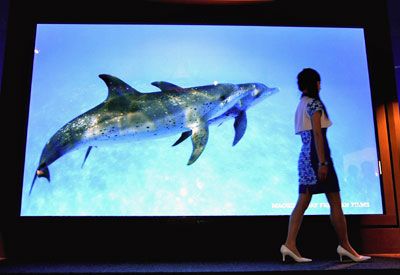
{"points": [[307, 80]]}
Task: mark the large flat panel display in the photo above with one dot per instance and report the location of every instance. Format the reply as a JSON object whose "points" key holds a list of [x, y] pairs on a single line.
{"points": [[108, 102]]}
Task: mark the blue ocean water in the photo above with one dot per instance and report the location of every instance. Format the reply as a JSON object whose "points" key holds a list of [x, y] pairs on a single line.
{"points": [[258, 176]]}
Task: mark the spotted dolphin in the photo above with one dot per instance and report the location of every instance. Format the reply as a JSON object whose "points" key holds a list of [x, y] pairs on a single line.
{"points": [[127, 114], [254, 93]]}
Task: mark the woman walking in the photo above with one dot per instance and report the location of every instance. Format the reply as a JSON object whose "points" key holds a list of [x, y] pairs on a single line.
{"points": [[316, 171]]}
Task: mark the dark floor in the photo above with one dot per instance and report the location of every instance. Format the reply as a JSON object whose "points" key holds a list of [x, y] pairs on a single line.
{"points": [[378, 265]]}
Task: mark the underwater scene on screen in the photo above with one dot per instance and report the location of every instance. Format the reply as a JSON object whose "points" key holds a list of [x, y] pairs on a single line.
{"points": [[186, 120]]}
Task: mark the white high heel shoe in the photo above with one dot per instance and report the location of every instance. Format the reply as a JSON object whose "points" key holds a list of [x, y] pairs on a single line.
{"points": [[343, 252], [286, 251]]}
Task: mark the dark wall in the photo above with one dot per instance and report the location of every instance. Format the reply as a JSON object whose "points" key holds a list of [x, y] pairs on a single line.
{"points": [[394, 16], [3, 31]]}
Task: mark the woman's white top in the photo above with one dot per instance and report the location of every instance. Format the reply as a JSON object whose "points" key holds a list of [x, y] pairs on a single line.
{"points": [[306, 108]]}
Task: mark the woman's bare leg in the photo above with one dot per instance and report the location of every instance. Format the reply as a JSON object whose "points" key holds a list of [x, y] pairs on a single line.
{"points": [[339, 221], [295, 221]]}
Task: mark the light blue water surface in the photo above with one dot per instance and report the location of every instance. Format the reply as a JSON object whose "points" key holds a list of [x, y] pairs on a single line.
{"points": [[258, 176]]}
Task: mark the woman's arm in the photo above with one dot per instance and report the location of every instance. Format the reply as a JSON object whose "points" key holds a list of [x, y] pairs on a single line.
{"points": [[319, 144]]}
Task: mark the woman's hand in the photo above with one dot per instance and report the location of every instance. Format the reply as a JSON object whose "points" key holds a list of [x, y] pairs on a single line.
{"points": [[322, 172]]}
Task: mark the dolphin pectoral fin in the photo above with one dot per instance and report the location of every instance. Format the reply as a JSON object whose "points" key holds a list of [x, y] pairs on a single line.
{"points": [[183, 136], [240, 125], [199, 141], [167, 87], [86, 155]]}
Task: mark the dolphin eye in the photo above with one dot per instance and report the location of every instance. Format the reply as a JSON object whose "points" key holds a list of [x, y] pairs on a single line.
{"points": [[222, 97]]}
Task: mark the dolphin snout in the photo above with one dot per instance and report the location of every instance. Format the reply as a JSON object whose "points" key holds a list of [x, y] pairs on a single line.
{"points": [[260, 88], [271, 91]]}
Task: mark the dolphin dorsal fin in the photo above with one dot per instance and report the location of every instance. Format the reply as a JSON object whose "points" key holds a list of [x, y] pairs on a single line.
{"points": [[167, 87], [117, 87]]}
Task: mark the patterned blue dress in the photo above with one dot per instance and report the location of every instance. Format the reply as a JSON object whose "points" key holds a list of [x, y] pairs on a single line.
{"points": [[308, 159]]}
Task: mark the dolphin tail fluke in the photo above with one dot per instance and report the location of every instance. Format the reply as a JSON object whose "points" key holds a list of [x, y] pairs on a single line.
{"points": [[86, 155], [183, 136], [41, 173], [199, 141], [240, 125], [33, 183], [45, 173]]}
